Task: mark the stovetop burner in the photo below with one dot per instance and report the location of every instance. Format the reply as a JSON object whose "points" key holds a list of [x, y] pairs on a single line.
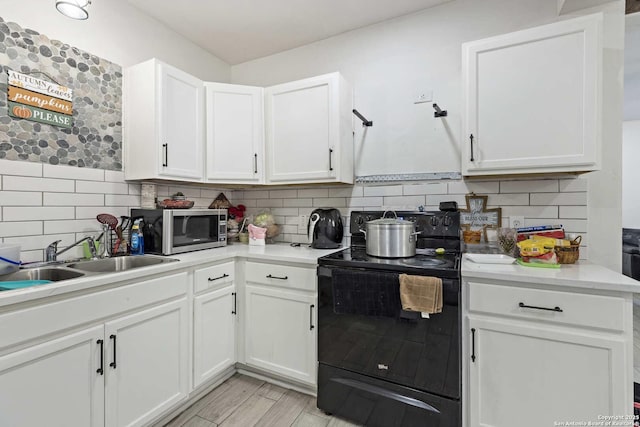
{"points": [[423, 262]]}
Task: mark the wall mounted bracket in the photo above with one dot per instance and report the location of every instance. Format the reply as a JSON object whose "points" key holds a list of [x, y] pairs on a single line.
{"points": [[439, 112], [365, 122]]}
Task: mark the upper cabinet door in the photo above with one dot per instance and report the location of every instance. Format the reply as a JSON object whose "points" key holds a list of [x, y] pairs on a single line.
{"points": [[181, 103], [308, 131], [533, 100], [163, 123], [235, 133]]}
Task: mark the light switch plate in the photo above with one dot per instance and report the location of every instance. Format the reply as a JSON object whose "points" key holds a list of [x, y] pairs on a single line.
{"points": [[302, 224], [516, 221]]}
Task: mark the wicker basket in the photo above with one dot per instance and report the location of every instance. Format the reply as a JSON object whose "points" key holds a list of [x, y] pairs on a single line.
{"points": [[569, 254]]}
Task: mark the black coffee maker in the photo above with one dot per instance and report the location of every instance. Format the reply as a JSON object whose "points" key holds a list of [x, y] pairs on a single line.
{"points": [[325, 228]]}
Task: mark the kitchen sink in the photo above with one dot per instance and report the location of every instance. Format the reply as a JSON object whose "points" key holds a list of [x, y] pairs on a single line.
{"points": [[108, 265], [53, 274]]}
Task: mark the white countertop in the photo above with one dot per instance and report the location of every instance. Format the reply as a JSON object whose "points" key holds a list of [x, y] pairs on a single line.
{"points": [[583, 274], [280, 252]]}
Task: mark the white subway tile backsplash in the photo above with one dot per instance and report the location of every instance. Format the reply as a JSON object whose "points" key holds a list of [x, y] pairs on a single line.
{"points": [[121, 200], [365, 201], [90, 212], [25, 183], [569, 225], [28, 243], [282, 211], [330, 202], [113, 176], [189, 192], [37, 213], [565, 199], [72, 226], [20, 168], [533, 186], [135, 189], [283, 194], [313, 193], [383, 190], [403, 202], [529, 211], [297, 203], [32, 256], [435, 199], [20, 198], [71, 172], [418, 189], [72, 199], [257, 194], [575, 212], [478, 187], [355, 191], [269, 203], [20, 228], [508, 199], [101, 187], [573, 184]]}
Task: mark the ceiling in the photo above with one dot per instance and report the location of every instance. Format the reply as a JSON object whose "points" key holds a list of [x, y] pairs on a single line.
{"points": [[241, 30], [632, 68]]}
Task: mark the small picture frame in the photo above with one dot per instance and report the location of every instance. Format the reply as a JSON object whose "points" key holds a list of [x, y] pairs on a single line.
{"points": [[477, 217]]}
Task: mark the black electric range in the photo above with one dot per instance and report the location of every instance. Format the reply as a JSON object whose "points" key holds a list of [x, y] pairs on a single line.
{"points": [[379, 365]]}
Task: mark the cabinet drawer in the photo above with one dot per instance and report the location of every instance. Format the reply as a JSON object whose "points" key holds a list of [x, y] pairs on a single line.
{"points": [[281, 275], [585, 310], [213, 277]]}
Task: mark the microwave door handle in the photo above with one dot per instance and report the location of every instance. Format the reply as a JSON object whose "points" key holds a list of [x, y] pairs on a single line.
{"points": [[184, 225]]}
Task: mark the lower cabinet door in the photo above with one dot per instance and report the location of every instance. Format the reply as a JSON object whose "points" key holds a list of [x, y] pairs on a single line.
{"points": [[280, 332], [532, 376], [54, 384], [147, 363], [214, 333]]}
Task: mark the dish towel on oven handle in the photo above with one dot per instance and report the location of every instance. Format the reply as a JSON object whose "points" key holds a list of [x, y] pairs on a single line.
{"points": [[421, 293]]}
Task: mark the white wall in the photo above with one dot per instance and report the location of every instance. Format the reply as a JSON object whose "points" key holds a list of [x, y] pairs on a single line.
{"points": [[391, 62], [118, 32], [630, 174]]}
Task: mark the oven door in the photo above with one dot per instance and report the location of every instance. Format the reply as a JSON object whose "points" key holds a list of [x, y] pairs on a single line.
{"points": [[363, 329]]}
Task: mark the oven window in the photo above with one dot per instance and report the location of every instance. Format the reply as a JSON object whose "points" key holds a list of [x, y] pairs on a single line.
{"points": [[190, 230]]}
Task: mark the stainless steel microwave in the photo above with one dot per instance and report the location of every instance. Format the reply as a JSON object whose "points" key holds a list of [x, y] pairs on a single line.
{"points": [[174, 231]]}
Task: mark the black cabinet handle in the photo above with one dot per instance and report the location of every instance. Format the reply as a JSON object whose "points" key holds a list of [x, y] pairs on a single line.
{"points": [[235, 303], [255, 163], [473, 344], [101, 368], [113, 364], [218, 278], [311, 317], [556, 309], [165, 148], [276, 277], [330, 155], [471, 138]]}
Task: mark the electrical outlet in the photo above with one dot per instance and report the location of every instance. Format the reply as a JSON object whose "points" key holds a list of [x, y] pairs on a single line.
{"points": [[302, 224], [516, 221], [425, 96]]}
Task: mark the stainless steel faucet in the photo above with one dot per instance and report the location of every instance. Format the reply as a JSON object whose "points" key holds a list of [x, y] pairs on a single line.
{"points": [[52, 250]]}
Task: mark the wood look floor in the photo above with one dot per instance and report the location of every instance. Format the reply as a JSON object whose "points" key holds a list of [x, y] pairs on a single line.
{"points": [[243, 401]]}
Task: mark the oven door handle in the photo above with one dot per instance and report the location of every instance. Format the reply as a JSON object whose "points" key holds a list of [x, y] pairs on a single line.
{"points": [[370, 388]]}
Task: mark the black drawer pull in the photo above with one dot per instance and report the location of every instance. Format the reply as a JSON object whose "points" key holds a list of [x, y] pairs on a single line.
{"points": [[113, 364], [311, 317], [276, 277], [218, 278], [471, 138], [255, 163], [473, 344], [101, 368], [556, 309], [330, 154], [235, 302]]}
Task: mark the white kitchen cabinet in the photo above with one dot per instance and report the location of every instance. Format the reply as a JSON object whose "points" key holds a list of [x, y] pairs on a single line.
{"points": [[148, 367], [309, 135], [54, 384], [279, 319], [163, 116], [532, 100], [536, 356], [235, 133], [215, 319]]}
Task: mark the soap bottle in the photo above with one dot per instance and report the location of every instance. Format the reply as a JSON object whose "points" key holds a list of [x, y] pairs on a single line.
{"points": [[137, 239]]}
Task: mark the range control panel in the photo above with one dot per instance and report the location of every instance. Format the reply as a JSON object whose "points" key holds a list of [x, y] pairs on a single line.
{"points": [[429, 224]]}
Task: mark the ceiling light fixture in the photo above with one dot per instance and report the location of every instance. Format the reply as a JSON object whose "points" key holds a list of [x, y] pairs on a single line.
{"points": [[75, 9]]}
